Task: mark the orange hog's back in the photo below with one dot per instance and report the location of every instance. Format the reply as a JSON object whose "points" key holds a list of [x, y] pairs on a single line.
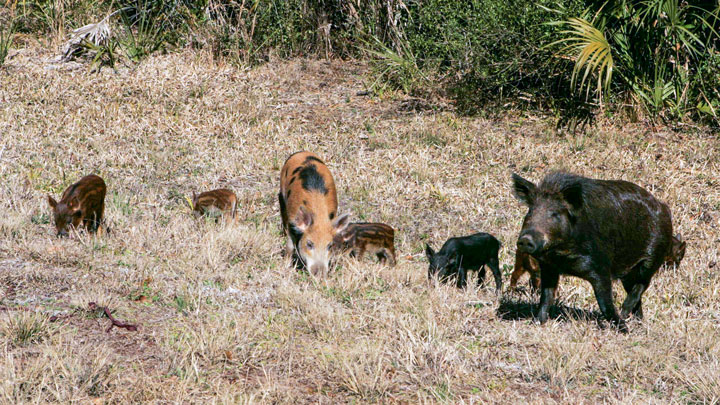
{"points": [[308, 205], [306, 181]]}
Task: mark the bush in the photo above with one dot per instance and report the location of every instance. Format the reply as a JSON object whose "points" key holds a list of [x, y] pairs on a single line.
{"points": [[571, 56], [659, 53]]}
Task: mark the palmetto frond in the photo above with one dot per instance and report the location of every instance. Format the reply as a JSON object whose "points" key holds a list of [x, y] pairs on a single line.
{"points": [[588, 47], [96, 35]]}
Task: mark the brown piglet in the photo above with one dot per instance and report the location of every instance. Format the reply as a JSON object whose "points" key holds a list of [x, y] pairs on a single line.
{"points": [[81, 206], [216, 203], [361, 237], [676, 252], [524, 263]]}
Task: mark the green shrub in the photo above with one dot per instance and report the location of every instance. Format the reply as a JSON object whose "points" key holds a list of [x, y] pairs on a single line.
{"points": [[660, 52]]}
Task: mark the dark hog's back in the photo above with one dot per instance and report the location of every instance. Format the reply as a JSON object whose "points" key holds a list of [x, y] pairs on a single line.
{"points": [[630, 221]]}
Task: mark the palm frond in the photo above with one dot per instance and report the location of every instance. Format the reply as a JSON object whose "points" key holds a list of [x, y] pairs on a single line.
{"points": [[588, 47], [96, 34]]}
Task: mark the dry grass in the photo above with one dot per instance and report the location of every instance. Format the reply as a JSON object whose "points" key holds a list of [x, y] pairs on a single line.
{"points": [[222, 315]]}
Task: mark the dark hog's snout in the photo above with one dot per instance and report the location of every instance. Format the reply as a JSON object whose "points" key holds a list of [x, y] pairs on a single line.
{"points": [[530, 241]]}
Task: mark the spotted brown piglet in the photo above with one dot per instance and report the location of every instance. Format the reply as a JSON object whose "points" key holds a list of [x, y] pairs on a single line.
{"points": [[362, 237], [216, 203], [81, 206]]}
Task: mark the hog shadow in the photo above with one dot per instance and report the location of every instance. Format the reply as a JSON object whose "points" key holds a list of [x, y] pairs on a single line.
{"points": [[512, 310]]}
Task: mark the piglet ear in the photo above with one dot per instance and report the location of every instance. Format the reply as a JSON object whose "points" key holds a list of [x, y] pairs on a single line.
{"points": [[573, 195], [523, 190], [303, 219], [429, 252], [52, 202], [341, 222]]}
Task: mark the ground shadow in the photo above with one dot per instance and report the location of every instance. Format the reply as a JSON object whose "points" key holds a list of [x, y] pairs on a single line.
{"points": [[512, 309]]}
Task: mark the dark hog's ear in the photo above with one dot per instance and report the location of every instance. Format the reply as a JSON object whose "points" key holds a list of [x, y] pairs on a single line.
{"points": [[573, 195], [341, 222], [52, 202], [429, 252], [523, 190], [303, 220]]}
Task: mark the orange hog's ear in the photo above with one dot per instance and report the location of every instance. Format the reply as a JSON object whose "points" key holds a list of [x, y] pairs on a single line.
{"points": [[303, 219], [52, 202], [341, 222]]}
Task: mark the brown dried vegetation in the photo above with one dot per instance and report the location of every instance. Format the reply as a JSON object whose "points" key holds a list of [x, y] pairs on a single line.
{"points": [[222, 314]]}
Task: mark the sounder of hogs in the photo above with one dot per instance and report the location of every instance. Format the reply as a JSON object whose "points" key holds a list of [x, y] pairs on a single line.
{"points": [[81, 206], [597, 230], [308, 207]]}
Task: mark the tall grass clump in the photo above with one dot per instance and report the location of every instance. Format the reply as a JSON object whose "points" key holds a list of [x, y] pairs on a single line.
{"points": [[7, 34]]}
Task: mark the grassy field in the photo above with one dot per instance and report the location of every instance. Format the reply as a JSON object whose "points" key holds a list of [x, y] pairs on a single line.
{"points": [[224, 318]]}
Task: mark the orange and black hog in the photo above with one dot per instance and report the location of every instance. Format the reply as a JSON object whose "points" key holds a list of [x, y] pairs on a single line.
{"points": [[216, 203], [308, 207], [524, 263], [374, 238], [81, 205]]}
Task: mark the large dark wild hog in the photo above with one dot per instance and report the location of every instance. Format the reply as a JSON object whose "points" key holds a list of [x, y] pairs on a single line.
{"points": [[81, 205], [596, 230], [216, 203], [308, 207], [524, 263], [361, 237], [458, 255]]}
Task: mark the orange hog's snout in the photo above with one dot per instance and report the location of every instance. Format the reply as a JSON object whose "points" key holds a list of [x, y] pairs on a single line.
{"points": [[315, 244], [308, 206]]}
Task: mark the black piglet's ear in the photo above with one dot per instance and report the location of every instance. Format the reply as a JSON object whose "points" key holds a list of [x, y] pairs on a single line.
{"points": [[429, 252], [523, 189]]}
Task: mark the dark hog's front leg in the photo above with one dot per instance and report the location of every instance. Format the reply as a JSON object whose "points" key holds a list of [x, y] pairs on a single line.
{"points": [[548, 283], [602, 286]]}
